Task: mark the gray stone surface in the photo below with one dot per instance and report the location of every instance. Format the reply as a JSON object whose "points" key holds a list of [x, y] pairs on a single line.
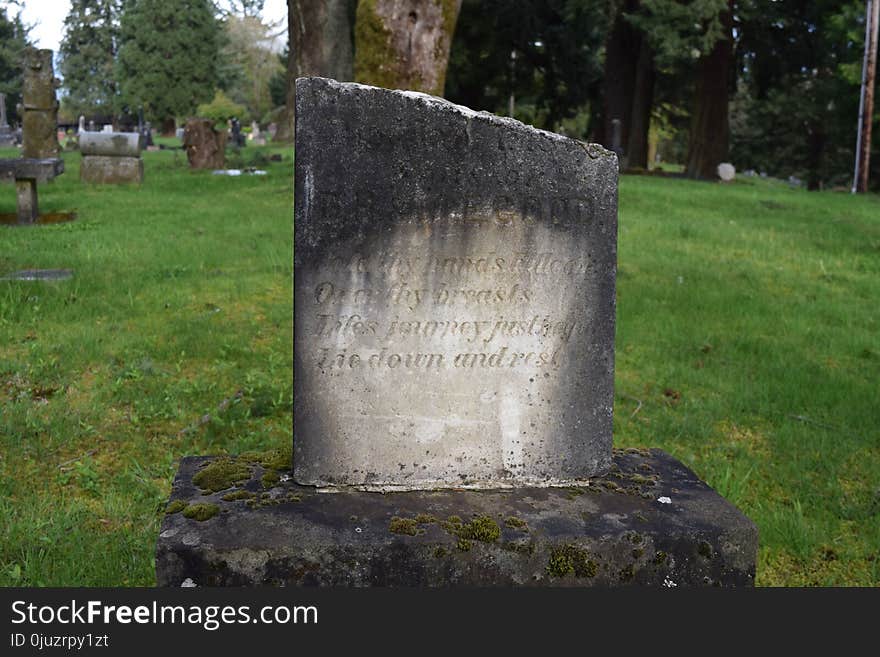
{"points": [[454, 295], [26, 173], [118, 144], [26, 203], [39, 105], [650, 521], [102, 169], [40, 170], [7, 137], [39, 275]]}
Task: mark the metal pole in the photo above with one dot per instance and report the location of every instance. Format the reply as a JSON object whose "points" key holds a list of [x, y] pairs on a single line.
{"points": [[866, 99]]}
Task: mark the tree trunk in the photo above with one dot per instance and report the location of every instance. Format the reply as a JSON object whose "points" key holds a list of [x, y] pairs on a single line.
{"points": [[620, 73], [710, 129], [815, 156], [640, 117], [404, 44], [320, 44]]}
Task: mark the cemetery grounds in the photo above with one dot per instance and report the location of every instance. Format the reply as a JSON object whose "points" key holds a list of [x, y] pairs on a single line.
{"points": [[748, 346]]}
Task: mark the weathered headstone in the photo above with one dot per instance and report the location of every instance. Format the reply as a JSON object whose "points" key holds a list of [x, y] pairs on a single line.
{"points": [[39, 105], [454, 295], [205, 147], [7, 136], [111, 158]]}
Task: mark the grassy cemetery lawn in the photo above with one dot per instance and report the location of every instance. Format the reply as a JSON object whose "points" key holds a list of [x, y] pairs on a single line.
{"points": [[748, 346]]}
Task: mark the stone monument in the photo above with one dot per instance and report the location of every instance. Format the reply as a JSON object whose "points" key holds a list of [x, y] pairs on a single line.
{"points": [[205, 147], [40, 149], [39, 106], [7, 136], [111, 157], [454, 308]]}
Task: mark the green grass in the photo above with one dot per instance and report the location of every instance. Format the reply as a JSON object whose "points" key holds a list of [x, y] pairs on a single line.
{"points": [[749, 332], [181, 300], [748, 347]]}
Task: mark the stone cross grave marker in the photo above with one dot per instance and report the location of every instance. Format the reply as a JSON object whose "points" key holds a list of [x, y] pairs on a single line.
{"points": [[454, 295]]}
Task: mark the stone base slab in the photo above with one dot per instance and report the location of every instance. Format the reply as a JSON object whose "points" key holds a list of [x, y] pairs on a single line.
{"points": [[104, 169], [650, 521]]}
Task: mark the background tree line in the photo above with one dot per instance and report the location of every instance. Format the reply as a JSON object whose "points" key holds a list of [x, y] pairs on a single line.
{"points": [[770, 85]]}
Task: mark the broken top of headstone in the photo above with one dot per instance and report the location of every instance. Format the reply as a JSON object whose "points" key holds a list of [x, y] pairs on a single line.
{"points": [[453, 295]]}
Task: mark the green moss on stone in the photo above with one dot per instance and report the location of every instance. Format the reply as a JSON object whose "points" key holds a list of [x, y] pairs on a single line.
{"points": [[272, 459], [201, 511], [705, 549], [481, 528], [520, 547], [440, 552], [270, 479], [574, 492], [221, 473], [569, 559], [406, 526], [660, 558], [238, 495], [515, 523], [175, 507], [425, 519], [464, 545]]}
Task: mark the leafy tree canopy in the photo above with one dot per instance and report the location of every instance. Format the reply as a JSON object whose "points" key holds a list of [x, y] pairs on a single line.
{"points": [[167, 56], [88, 57]]}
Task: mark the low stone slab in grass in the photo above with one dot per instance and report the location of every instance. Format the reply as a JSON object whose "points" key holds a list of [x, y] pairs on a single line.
{"points": [[650, 521]]}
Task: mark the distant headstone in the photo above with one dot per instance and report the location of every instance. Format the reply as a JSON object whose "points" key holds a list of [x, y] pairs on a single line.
{"points": [[235, 134], [91, 126], [255, 129], [7, 136], [726, 172], [205, 147], [108, 127], [616, 137], [82, 124], [111, 157], [454, 295]]}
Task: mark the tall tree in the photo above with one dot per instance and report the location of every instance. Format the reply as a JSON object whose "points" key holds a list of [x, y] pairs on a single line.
{"points": [[247, 45], [88, 56], [628, 86], [683, 35], [167, 57], [13, 41], [709, 141], [797, 100], [404, 44], [319, 44], [543, 54]]}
